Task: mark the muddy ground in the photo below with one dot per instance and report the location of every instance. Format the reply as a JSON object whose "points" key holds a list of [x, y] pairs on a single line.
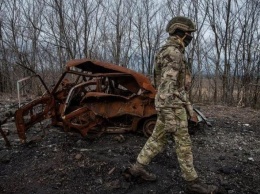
{"points": [[227, 154]]}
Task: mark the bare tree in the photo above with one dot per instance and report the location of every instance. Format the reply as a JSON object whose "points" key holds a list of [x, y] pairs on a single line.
{"points": [[119, 25], [41, 35], [148, 33]]}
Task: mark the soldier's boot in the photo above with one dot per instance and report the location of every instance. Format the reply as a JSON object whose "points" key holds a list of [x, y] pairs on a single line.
{"points": [[139, 170], [196, 186]]}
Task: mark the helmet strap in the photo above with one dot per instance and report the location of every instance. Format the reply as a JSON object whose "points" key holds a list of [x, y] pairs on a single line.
{"points": [[181, 40]]}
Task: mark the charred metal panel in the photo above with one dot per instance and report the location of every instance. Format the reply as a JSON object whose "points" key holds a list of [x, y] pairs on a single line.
{"points": [[109, 106], [32, 113], [7, 142]]}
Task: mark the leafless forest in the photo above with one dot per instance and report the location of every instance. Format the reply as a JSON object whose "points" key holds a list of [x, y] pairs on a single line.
{"points": [[43, 34]]}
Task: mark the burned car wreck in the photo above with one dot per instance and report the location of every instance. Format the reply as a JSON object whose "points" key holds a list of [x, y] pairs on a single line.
{"points": [[95, 97]]}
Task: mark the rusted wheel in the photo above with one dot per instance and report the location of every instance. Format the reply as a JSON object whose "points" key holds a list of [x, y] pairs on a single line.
{"points": [[148, 126]]}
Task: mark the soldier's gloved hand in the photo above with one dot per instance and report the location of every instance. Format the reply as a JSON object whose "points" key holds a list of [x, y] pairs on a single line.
{"points": [[192, 115], [189, 109]]}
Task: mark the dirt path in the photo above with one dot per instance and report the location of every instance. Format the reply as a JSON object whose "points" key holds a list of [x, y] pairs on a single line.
{"points": [[226, 154]]}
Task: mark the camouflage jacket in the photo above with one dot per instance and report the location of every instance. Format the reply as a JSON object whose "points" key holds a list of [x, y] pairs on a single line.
{"points": [[170, 73]]}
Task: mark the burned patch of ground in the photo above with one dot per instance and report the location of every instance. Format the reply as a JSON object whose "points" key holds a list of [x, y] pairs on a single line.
{"points": [[227, 154]]}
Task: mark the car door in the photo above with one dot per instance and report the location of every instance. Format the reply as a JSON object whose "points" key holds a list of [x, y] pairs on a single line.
{"points": [[35, 111]]}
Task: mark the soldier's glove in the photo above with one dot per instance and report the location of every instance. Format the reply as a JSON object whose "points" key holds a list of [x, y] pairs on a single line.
{"points": [[192, 115], [189, 109]]}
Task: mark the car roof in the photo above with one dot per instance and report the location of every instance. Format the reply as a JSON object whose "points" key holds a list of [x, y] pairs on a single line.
{"points": [[133, 82]]}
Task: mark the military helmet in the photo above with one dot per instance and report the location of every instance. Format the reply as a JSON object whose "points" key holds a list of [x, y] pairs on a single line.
{"points": [[181, 23]]}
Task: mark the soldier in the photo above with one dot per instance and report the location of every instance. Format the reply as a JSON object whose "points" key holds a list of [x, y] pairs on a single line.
{"points": [[171, 103]]}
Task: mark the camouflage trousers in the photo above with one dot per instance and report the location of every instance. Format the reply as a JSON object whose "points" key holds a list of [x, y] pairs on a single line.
{"points": [[171, 123]]}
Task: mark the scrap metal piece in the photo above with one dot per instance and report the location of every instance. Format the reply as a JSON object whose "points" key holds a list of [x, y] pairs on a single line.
{"points": [[7, 143], [7, 116], [202, 116]]}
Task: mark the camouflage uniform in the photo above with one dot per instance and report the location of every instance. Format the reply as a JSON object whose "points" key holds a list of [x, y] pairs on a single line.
{"points": [[173, 80], [170, 101]]}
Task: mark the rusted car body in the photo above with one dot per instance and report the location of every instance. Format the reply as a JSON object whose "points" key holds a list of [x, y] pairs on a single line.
{"points": [[93, 96]]}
